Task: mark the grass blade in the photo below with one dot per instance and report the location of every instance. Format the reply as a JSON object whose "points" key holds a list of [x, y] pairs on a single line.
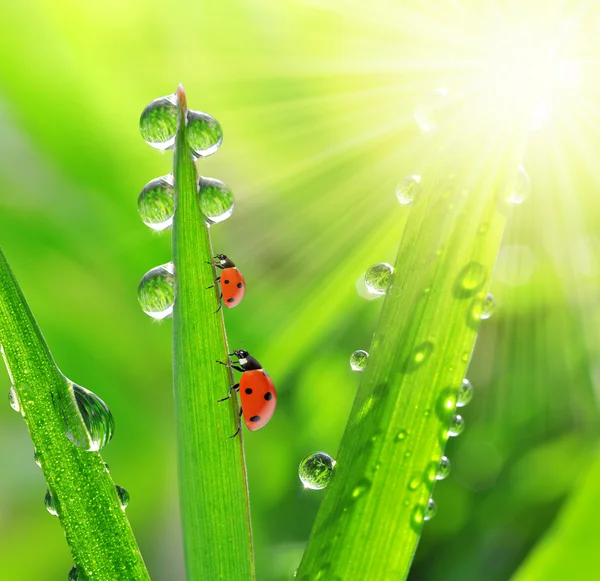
{"points": [[96, 528]]}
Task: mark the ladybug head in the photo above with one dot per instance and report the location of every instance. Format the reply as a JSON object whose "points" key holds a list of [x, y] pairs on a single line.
{"points": [[241, 354], [246, 361], [225, 261]]}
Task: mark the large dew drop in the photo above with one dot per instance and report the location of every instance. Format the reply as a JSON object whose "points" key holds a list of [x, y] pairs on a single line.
{"points": [[12, 399], [457, 426], [97, 418], [428, 111], [358, 360], [520, 189], [465, 393], [156, 291], [51, 504], [315, 470], [215, 199], [470, 279], [158, 122], [156, 203], [204, 133], [123, 496], [430, 510], [443, 470], [378, 277], [408, 189]]}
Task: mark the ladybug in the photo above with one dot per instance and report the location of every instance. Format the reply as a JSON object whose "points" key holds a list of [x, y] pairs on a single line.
{"points": [[257, 391], [232, 282]]}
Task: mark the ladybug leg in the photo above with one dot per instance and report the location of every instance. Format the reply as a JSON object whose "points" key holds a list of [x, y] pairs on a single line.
{"points": [[215, 264], [239, 425], [214, 283], [236, 367], [236, 386]]}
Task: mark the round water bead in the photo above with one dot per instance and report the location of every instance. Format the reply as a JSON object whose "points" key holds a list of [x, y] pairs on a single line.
{"points": [[465, 393], [215, 199], [158, 122], [123, 496], [488, 307], [12, 399], [408, 189], [51, 505], [378, 277], [204, 133], [315, 470], [358, 360], [470, 279], [430, 510], [443, 470], [97, 417], [521, 188], [156, 291], [156, 203], [457, 426], [428, 110]]}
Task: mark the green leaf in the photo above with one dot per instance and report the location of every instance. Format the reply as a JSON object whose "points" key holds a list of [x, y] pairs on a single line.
{"points": [[83, 493]]}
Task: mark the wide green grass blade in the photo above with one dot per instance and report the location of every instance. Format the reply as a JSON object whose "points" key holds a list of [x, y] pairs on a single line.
{"points": [[370, 521], [96, 528], [214, 498]]}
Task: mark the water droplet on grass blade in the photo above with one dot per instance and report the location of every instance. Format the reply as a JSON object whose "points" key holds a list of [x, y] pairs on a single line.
{"points": [[12, 399], [408, 189], [97, 418], [76, 574], [430, 510], [444, 468], [361, 488], [378, 277], [158, 122], [429, 109], [156, 203], [457, 426], [470, 279], [51, 504], [123, 496], [315, 470], [520, 189], [204, 133], [156, 291], [215, 199], [465, 393], [358, 360]]}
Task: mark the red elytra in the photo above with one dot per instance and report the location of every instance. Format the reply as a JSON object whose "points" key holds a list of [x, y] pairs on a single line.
{"points": [[232, 282], [257, 391]]}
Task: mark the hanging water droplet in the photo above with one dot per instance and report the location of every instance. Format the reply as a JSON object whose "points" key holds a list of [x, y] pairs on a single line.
{"points": [[156, 203], [482, 308], [428, 111], [215, 199], [444, 468], [378, 277], [36, 459], [158, 122], [519, 191], [408, 189], [76, 574], [97, 418], [470, 279], [12, 399], [465, 393], [430, 510], [457, 425], [358, 360], [315, 470], [156, 291], [51, 504], [489, 306], [204, 133], [123, 496]]}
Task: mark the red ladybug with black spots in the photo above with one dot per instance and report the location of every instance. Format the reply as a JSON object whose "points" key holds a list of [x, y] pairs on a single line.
{"points": [[257, 391], [232, 282]]}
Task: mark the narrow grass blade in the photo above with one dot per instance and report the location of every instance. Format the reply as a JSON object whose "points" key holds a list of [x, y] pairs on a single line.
{"points": [[214, 498], [96, 528]]}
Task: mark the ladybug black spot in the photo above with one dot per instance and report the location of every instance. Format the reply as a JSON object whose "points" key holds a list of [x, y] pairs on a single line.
{"points": [[231, 300], [239, 285], [268, 396], [255, 419], [226, 281], [248, 390]]}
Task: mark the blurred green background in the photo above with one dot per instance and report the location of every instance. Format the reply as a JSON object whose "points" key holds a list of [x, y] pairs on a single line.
{"points": [[316, 100]]}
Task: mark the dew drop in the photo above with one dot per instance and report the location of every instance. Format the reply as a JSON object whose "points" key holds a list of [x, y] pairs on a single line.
{"points": [[12, 399], [361, 488], [420, 354], [97, 418], [156, 291], [158, 122], [418, 516], [521, 188], [378, 277], [489, 306], [408, 189], [414, 482], [123, 496], [76, 575], [446, 403], [51, 504], [215, 200], [315, 470], [430, 510], [443, 470], [36, 459], [470, 279], [402, 434], [204, 133], [428, 110], [457, 426], [156, 203], [465, 393], [358, 360]]}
